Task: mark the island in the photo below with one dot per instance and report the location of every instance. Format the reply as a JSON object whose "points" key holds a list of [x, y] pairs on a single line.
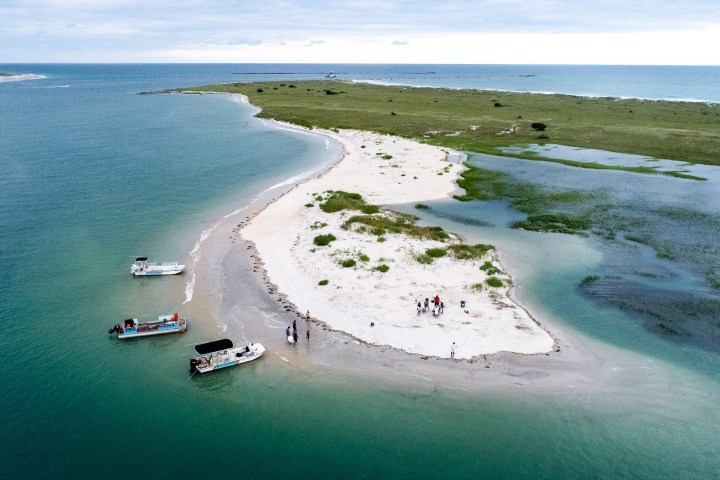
{"points": [[365, 270]]}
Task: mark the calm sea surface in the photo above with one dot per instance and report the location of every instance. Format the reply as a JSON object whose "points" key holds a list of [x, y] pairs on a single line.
{"points": [[93, 174]]}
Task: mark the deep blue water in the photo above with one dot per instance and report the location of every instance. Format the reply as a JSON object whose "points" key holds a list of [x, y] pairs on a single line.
{"points": [[93, 174], [692, 83]]}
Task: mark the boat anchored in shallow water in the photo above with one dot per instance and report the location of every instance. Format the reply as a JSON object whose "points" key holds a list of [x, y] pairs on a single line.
{"points": [[144, 268], [131, 328], [221, 354]]}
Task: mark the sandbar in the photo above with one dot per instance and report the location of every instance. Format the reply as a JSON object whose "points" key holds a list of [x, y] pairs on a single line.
{"points": [[375, 307]]}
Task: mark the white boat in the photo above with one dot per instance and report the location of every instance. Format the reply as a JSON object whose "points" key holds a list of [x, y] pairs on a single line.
{"points": [[165, 324], [331, 75], [222, 354], [145, 268]]}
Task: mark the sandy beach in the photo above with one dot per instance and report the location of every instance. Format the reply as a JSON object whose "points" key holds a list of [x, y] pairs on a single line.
{"points": [[378, 307]]}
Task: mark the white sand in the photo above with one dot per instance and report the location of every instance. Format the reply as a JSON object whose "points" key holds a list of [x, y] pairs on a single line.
{"points": [[358, 296]]}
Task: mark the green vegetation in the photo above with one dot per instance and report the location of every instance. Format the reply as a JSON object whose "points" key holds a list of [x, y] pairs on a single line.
{"points": [[323, 282], [309, 205], [538, 203], [363, 257], [494, 282], [421, 206], [558, 223], [323, 240], [339, 200], [382, 268], [675, 130], [490, 269], [436, 252], [347, 263], [318, 225], [469, 252], [424, 259], [589, 279], [398, 224]]}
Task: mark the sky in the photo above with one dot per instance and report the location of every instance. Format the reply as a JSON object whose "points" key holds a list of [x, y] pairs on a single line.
{"points": [[641, 32]]}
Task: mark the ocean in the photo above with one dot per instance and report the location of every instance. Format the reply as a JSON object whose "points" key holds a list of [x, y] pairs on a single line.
{"points": [[94, 174]]}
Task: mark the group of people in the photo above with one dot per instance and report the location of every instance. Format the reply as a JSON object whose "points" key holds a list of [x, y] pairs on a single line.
{"points": [[293, 337], [437, 309]]}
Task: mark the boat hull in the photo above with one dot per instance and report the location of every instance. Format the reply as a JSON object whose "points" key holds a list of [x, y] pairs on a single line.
{"points": [[143, 268], [163, 326], [228, 358], [154, 271]]}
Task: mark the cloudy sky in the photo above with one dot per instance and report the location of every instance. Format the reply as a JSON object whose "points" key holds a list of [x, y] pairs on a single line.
{"points": [[362, 31]]}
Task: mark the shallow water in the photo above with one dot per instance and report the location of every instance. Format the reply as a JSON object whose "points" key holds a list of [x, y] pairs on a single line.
{"points": [[94, 175]]}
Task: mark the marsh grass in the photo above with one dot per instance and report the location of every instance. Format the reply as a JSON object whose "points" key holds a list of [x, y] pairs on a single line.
{"points": [[323, 282], [662, 129], [381, 268], [347, 263]]}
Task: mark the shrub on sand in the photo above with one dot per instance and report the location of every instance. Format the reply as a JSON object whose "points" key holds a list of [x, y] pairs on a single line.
{"points": [[436, 252], [322, 240], [494, 282], [347, 263]]}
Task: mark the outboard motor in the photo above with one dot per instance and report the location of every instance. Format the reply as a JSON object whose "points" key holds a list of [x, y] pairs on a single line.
{"points": [[114, 329], [193, 364]]}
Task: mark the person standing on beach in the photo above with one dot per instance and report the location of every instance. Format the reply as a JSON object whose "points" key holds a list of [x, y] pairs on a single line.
{"points": [[442, 307], [452, 350], [427, 305], [294, 324], [295, 336], [307, 316], [419, 308], [307, 335], [436, 300]]}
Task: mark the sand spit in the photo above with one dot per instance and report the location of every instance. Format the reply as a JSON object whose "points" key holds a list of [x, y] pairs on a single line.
{"points": [[380, 307]]}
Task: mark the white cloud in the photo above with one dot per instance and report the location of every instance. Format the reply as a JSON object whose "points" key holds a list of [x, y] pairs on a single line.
{"points": [[422, 31]]}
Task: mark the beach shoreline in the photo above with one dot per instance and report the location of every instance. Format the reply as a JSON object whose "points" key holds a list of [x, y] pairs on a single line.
{"points": [[239, 298], [385, 170]]}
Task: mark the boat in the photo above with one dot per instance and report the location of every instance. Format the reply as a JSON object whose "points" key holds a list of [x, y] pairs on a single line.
{"points": [[145, 268], [331, 75], [222, 354], [165, 324]]}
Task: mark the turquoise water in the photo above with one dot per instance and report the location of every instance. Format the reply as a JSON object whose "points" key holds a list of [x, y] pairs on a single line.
{"points": [[94, 175]]}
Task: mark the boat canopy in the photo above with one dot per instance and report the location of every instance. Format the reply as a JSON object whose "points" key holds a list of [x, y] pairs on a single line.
{"points": [[214, 346], [141, 259]]}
